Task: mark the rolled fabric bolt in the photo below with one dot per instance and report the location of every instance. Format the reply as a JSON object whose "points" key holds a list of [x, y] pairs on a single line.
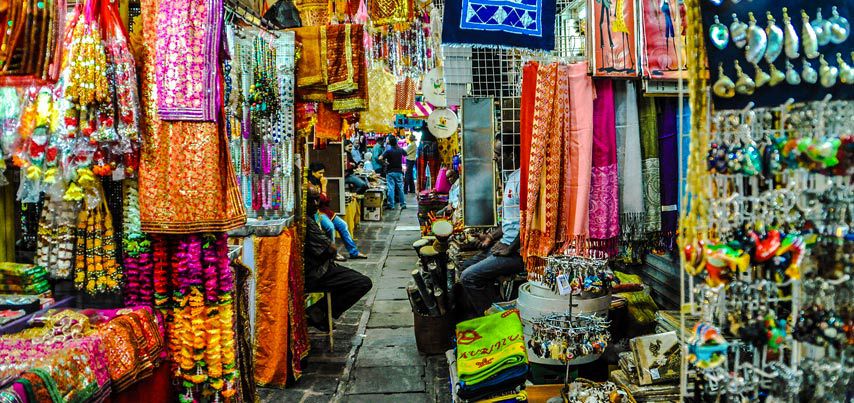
{"points": [[425, 293]]}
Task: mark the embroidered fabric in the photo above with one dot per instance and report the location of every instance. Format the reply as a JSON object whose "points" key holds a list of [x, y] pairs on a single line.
{"points": [[604, 203]]}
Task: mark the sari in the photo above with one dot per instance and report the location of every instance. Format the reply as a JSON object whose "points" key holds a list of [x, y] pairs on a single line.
{"points": [[187, 183], [604, 224], [187, 49], [329, 123], [529, 90], [357, 100]]}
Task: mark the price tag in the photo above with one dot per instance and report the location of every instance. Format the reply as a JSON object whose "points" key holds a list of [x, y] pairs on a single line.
{"points": [[563, 285]]}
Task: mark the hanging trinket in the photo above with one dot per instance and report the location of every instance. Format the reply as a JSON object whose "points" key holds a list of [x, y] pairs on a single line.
{"points": [[738, 32], [761, 77], [821, 28], [777, 76], [808, 37], [718, 34], [839, 27], [723, 87], [757, 41], [774, 38], [792, 76], [808, 73], [846, 72], [827, 73], [791, 43], [744, 84]]}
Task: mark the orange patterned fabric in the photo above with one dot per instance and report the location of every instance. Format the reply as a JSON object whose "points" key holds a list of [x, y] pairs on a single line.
{"points": [[328, 124], [275, 336], [404, 97], [186, 180], [313, 12], [311, 65], [386, 12]]}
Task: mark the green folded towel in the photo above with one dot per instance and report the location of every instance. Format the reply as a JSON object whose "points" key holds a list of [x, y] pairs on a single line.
{"points": [[488, 345]]}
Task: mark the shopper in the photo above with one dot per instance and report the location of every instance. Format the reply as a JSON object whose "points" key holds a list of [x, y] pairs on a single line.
{"points": [[329, 221], [377, 152], [394, 178], [411, 155], [322, 274], [359, 185], [500, 256]]}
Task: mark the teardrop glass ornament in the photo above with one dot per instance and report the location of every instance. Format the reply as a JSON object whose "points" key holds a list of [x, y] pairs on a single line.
{"points": [[775, 39], [757, 41], [777, 76], [723, 87], [827, 74], [792, 76], [808, 37], [846, 72], [744, 84], [808, 73], [839, 27], [761, 78], [821, 28], [791, 43], [718, 34], [738, 32]]}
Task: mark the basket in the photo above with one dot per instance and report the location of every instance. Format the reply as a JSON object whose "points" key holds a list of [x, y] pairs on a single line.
{"points": [[433, 333]]}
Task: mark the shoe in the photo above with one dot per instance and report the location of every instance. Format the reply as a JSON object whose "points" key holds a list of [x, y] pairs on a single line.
{"points": [[360, 255], [340, 258], [388, 208], [403, 207]]}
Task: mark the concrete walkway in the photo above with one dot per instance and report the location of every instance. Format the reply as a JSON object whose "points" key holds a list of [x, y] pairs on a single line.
{"points": [[375, 358]]}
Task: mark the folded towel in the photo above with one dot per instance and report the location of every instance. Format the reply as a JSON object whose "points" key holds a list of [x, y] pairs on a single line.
{"points": [[488, 345], [506, 380]]}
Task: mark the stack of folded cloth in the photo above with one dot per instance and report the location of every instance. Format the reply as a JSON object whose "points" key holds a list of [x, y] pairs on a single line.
{"points": [[667, 392], [22, 278], [668, 321], [627, 365], [491, 358]]}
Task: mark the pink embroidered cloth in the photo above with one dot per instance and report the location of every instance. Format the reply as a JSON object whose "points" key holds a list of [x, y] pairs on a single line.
{"points": [[188, 37], [581, 144], [604, 183]]}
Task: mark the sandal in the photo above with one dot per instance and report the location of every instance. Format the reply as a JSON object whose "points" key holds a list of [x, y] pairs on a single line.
{"points": [[340, 258], [359, 256]]}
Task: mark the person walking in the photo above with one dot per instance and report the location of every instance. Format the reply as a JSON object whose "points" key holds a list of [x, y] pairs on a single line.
{"points": [[393, 158], [411, 154]]}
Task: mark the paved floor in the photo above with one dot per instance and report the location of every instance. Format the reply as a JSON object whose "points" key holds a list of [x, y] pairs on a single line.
{"points": [[375, 358]]}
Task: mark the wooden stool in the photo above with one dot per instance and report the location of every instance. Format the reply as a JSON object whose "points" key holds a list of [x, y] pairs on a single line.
{"points": [[313, 298]]}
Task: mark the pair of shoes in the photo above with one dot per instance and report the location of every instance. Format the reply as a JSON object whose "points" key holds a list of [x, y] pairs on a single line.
{"points": [[360, 255], [340, 258], [403, 207]]}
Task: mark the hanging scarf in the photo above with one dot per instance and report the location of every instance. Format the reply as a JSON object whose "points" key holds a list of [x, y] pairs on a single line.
{"points": [[341, 69], [273, 333], [630, 167], [579, 163], [526, 127], [387, 12], [650, 174], [311, 65], [328, 124], [313, 13], [380, 115], [669, 171], [358, 100], [188, 44], [604, 182]]}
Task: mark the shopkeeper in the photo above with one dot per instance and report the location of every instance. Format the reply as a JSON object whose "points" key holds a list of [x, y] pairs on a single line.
{"points": [[322, 274], [500, 256]]}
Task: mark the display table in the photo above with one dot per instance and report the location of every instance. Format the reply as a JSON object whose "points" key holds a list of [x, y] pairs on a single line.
{"points": [[21, 323]]}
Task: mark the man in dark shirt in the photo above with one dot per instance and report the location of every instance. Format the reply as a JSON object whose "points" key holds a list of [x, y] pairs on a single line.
{"points": [[393, 157], [322, 274]]}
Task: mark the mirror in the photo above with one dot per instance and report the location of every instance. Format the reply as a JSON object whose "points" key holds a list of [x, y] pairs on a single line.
{"points": [[478, 179]]}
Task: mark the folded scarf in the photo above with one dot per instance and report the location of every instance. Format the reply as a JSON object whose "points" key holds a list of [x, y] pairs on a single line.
{"points": [[489, 345], [311, 65], [498, 384], [510, 396], [650, 174], [604, 224]]}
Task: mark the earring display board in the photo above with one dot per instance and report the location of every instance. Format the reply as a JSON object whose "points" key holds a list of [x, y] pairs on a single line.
{"points": [[478, 118], [795, 59]]}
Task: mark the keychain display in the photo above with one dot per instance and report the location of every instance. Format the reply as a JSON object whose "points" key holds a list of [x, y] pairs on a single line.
{"points": [[579, 275], [567, 337]]}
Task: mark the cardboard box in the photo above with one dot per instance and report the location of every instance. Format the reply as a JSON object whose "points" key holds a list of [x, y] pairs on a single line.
{"points": [[373, 198], [372, 214]]}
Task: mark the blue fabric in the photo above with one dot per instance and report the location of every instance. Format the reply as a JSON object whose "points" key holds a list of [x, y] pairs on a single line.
{"points": [[500, 23], [502, 381], [394, 181], [338, 224], [510, 209]]}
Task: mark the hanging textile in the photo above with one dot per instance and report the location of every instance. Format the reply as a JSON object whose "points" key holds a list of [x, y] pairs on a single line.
{"points": [[650, 173], [448, 148], [579, 164], [279, 305], [245, 352], [358, 100], [187, 47], [388, 12], [186, 180], [328, 124], [311, 65], [529, 24], [604, 221], [669, 151], [380, 114], [404, 97], [341, 71], [313, 13], [526, 119], [7, 214], [629, 164]]}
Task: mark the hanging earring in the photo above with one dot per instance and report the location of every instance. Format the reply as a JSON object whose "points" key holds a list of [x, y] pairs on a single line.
{"points": [[744, 84], [846, 72], [839, 27], [827, 73], [718, 34], [738, 32], [808, 37], [791, 41], [777, 76], [775, 39], [792, 76], [757, 41], [808, 73], [761, 77], [821, 28]]}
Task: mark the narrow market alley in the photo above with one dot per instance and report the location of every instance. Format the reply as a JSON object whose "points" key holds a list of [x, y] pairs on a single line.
{"points": [[374, 358]]}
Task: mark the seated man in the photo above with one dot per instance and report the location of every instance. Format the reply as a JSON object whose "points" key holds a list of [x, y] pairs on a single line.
{"points": [[501, 259], [350, 178], [322, 274]]}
